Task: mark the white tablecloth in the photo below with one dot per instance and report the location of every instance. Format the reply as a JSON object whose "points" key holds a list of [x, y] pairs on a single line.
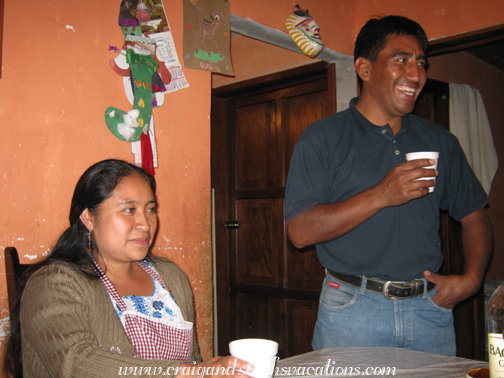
{"points": [[380, 361]]}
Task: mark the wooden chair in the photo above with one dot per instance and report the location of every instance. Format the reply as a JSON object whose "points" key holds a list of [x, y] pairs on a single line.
{"points": [[13, 271]]}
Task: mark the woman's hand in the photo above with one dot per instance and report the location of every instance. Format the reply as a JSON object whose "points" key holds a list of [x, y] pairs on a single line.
{"points": [[216, 367]]}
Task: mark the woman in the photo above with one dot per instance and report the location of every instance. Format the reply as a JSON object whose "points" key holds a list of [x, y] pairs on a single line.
{"points": [[100, 305]]}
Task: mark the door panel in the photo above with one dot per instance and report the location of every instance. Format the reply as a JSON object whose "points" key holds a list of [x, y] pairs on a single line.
{"points": [[257, 147], [259, 241], [259, 316]]}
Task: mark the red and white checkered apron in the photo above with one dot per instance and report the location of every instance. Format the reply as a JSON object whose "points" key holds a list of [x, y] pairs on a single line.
{"points": [[152, 338]]}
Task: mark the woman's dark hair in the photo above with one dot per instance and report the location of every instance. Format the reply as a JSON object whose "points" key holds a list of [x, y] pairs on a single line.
{"points": [[95, 185], [374, 35]]}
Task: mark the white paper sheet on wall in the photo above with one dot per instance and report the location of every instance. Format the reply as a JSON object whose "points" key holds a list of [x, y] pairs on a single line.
{"points": [[166, 46], [167, 51]]}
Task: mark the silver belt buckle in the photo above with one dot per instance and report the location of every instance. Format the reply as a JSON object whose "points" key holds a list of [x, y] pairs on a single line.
{"points": [[413, 285]]}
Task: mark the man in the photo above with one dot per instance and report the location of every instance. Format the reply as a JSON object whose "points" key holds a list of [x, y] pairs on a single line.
{"points": [[351, 192]]}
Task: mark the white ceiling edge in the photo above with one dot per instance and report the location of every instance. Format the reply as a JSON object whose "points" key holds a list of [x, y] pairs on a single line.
{"points": [[346, 80]]}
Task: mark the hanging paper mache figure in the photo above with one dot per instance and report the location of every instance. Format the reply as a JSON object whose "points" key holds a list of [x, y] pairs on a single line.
{"points": [[148, 74], [304, 31]]}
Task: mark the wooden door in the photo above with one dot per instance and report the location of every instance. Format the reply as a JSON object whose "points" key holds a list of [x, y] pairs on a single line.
{"points": [[265, 287]]}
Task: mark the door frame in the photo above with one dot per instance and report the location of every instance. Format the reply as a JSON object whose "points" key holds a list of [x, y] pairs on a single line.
{"points": [[221, 155]]}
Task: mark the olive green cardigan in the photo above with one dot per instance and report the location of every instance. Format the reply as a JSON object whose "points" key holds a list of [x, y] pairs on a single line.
{"points": [[69, 327]]}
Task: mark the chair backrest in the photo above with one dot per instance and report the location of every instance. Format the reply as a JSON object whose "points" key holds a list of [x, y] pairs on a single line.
{"points": [[13, 271]]}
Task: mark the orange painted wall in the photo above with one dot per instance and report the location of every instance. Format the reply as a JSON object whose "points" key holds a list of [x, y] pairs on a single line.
{"points": [[56, 84], [439, 18]]}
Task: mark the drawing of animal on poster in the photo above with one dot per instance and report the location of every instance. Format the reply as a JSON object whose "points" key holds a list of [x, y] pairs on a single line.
{"points": [[207, 35]]}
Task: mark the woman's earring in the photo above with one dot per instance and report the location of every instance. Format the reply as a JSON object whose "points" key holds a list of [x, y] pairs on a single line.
{"points": [[89, 245]]}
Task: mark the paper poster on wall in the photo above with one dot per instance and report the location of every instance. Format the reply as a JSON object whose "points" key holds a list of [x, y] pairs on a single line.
{"points": [[150, 68], [207, 32]]}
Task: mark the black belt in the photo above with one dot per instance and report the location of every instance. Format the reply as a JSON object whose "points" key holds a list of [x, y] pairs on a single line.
{"points": [[390, 289]]}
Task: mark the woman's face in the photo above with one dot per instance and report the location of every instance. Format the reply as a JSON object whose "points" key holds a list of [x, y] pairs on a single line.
{"points": [[125, 224]]}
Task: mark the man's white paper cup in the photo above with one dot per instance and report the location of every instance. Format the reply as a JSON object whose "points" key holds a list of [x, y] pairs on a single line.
{"points": [[259, 352], [425, 155]]}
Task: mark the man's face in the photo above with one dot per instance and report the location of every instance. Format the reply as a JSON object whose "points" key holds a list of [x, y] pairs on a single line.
{"points": [[397, 76]]}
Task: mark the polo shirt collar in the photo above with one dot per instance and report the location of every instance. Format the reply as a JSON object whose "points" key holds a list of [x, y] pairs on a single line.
{"points": [[366, 126]]}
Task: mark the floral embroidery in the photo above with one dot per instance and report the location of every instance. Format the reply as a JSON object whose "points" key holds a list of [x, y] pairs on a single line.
{"points": [[160, 305], [139, 304]]}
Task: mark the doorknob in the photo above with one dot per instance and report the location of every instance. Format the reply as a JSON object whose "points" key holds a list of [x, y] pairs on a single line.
{"points": [[232, 225]]}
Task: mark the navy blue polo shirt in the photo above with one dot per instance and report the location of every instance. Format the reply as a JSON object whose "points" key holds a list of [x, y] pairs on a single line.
{"points": [[344, 154]]}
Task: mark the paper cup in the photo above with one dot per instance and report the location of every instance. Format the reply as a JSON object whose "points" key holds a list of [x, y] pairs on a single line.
{"points": [[425, 155], [259, 352]]}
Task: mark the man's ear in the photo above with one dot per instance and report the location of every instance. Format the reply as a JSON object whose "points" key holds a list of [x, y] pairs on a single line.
{"points": [[362, 68], [87, 219]]}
